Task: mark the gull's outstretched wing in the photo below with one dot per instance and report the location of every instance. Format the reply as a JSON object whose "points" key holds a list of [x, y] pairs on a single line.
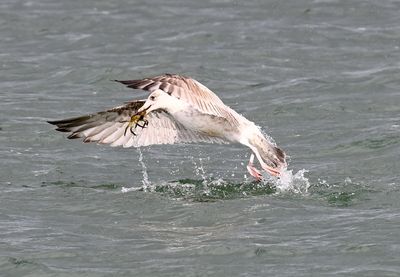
{"points": [[187, 89], [109, 127]]}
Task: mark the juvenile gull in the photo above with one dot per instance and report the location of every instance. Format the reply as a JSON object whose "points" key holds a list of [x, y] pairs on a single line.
{"points": [[178, 110]]}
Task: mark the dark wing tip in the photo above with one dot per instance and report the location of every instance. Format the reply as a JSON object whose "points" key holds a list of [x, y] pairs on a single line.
{"points": [[74, 136], [64, 130], [125, 82], [135, 84], [52, 122], [60, 125]]}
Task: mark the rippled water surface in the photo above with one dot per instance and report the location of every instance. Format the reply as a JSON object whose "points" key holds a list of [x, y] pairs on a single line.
{"points": [[321, 77]]}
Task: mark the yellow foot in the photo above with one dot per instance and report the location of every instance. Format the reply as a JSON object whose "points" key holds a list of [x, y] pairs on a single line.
{"points": [[135, 121]]}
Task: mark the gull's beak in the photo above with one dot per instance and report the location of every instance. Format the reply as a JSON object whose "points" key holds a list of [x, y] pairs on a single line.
{"points": [[143, 109]]}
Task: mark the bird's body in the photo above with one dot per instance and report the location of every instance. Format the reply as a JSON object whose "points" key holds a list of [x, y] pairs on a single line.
{"points": [[178, 110], [204, 123]]}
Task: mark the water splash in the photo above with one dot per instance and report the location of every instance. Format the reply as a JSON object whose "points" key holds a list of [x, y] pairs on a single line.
{"points": [[145, 181], [199, 168], [210, 188], [204, 190], [289, 182]]}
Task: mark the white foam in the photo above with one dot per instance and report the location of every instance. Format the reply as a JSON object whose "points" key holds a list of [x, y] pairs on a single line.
{"points": [[124, 189], [296, 183]]}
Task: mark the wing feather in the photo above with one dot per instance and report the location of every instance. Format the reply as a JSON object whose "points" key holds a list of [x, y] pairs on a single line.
{"points": [[189, 90], [108, 127]]}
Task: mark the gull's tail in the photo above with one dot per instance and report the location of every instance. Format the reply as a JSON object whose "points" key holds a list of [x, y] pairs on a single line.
{"points": [[273, 157]]}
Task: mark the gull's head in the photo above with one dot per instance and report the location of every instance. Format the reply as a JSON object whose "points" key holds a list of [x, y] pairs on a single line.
{"points": [[156, 100]]}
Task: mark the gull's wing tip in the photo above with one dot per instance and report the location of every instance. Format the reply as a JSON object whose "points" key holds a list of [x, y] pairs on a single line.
{"points": [[135, 84], [54, 122], [125, 82]]}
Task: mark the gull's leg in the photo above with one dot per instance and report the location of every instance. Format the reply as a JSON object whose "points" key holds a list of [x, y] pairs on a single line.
{"points": [[252, 170], [272, 171]]}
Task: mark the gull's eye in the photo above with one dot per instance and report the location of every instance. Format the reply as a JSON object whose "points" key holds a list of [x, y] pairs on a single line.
{"points": [[152, 98]]}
